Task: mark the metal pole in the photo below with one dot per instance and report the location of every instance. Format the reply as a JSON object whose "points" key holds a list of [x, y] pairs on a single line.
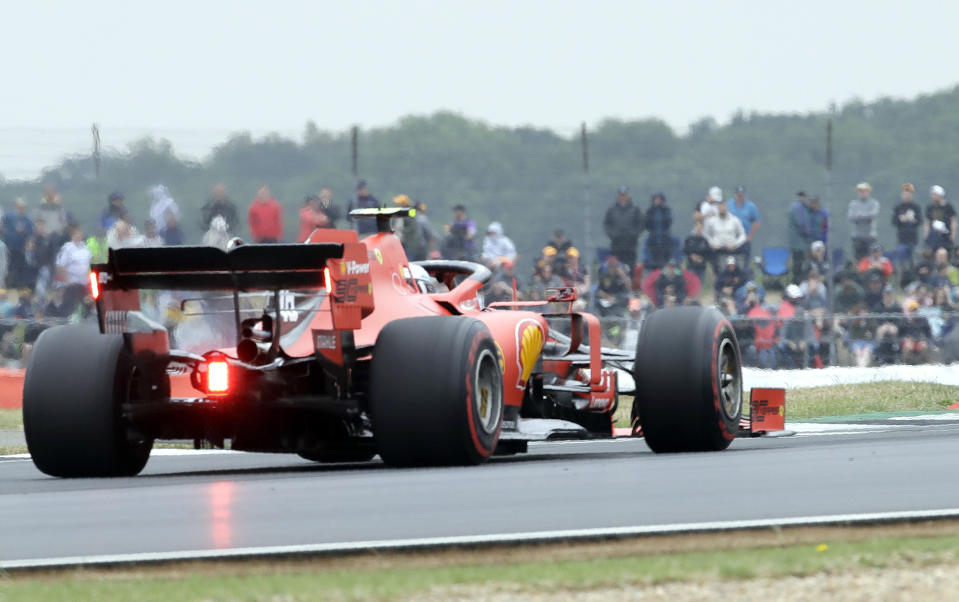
{"points": [[833, 268], [355, 135], [588, 234], [95, 130]]}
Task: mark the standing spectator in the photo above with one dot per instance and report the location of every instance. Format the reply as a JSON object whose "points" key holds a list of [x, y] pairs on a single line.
{"points": [[818, 221], [165, 212], [876, 262], [497, 247], [427, 231], [326, 206], [623, 224], [415, 237], [696, 249], [220, 204], [311, 217], [460, 241], [940, 227], [41, 253], [659, 223], [709, 206], [906, 218], [266, 218], [73, 267], [748, 214], [724, 232], [54, 215], [363, 200], [114, 210], [862, 215], [17, 230], [799, 239], [151, 238]]}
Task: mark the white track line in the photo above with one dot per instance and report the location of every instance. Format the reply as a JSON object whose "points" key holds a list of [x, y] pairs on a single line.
{"points": [[477, 540]]}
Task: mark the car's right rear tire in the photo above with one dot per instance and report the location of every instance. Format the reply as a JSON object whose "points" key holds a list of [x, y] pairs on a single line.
{"points": [[436, 392], [76, 381]]}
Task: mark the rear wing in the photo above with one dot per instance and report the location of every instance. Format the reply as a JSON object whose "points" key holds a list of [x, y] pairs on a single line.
{"points": [[341, 269], [244, 268]]}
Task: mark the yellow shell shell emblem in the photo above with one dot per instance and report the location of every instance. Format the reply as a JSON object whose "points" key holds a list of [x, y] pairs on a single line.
{"points": [[531, 343]]}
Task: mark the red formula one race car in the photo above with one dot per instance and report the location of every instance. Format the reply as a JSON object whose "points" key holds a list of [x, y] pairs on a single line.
{"points": [[353, 351]]}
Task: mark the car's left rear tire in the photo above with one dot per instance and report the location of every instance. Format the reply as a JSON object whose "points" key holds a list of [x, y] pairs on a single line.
{"points": [[76, 382], [436, 392]]}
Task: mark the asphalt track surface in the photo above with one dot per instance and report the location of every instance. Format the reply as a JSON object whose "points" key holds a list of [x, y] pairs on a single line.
{"points": [[231, 500]]}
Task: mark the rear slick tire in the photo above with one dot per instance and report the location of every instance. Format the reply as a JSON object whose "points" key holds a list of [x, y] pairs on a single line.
{"points": [[76, 381], [688, 380], [436, 392]]}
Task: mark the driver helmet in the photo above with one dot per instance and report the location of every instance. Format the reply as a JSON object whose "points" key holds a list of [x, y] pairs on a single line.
{"points": [[424, 282]]}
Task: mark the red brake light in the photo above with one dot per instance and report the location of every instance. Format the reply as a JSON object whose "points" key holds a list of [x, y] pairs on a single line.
{"points": [[327, 280], [218, 377], [94, 285]]}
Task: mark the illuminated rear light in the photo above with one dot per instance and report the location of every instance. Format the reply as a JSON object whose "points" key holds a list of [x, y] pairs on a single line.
{"points": [[327, 280], [94, 285], [218, 377]]}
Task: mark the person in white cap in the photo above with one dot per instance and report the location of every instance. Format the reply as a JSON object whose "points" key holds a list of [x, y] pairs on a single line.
{"points": [[795, 329], [862, 214], [724, 233], [817, 260], [940, 226], [710, 206]]}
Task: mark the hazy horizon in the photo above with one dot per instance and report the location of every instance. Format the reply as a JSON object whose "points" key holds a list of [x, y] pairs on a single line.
{"points": [[229, 66]]}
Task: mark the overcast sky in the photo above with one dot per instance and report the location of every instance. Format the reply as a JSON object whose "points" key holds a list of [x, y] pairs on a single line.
{"points": [[275, 64]]}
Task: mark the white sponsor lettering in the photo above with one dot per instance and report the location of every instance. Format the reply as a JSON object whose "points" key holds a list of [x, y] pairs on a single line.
{"points": [[353, 267], [288, 311], [325, 341]]}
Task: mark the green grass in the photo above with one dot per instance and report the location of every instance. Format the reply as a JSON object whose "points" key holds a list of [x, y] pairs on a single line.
{"points": [[845, 400], [11, 420], [313, 581]]}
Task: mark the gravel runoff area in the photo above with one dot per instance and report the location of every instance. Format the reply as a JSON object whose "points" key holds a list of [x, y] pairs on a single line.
{"points": [[929, 584]]}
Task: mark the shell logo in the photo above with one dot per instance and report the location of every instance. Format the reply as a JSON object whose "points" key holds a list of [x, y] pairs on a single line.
{"points": [[530, 343]]}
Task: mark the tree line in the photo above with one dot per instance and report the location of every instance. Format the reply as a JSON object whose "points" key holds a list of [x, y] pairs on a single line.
{"points": [[532, 179]]}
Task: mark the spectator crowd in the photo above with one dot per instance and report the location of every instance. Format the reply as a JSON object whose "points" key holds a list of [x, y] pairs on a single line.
{"points": [[875, 305]]}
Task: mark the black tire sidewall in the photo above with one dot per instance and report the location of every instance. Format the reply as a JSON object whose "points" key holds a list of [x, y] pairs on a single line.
{"points": [[422, 401], [678, 381], [75, 382]]}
